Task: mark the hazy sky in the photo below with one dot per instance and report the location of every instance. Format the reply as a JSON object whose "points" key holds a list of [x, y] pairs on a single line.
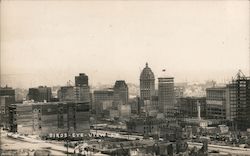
{"points": [[49, 42]]}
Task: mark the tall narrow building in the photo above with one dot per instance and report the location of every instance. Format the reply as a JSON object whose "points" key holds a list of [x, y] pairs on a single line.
{"points": [[81, 89], [147, 83], [166, 95], [120, 92], [239, 92]]}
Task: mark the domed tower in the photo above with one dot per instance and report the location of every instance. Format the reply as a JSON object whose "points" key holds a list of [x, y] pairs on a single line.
{"points": [[147, 83]]}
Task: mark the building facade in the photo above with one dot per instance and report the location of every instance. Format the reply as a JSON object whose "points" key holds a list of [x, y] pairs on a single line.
{"points": [[7, 91], [81, 80], [82, 93], [148, 126], [12, 118], [124, 111], [166, 95], [179, 91], [101, 96], [189, 106], [239, 91], [147, 83], [135, 105], [53, 119], [73, 93], [40, 94], [66, 93], [217, 99], [120, 92], [7, 97]]}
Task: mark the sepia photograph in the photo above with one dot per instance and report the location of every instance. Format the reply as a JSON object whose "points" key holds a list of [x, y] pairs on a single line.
{"points": [[124, 78]]}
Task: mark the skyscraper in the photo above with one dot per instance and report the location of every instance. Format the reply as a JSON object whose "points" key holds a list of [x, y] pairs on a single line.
{"points": [[81, 80], [81, 89], [147, 83], [166, 95], [239, 92], [217, 100], [120, 92]]}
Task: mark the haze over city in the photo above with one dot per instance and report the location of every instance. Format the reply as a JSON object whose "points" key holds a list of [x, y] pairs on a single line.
{"points": [[127, 78], [48, 43]]}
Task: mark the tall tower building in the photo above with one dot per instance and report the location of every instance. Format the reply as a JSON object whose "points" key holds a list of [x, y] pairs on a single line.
{"points": [[239, 92], [81, 80], [166, 95], [147, 83], [120, 92], [81, 89]]}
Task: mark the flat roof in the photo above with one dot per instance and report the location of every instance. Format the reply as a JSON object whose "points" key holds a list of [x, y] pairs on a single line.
{"points": [[49, 103]]}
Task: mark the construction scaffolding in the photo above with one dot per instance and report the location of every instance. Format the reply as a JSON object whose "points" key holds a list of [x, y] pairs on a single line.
{"points": [[239, 91]]}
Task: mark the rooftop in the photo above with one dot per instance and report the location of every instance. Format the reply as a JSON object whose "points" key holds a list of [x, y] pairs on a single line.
{"points": [[147, 74]]}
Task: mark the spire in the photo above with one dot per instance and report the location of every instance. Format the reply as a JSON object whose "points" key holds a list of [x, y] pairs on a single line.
{"points": [[146, 64]]}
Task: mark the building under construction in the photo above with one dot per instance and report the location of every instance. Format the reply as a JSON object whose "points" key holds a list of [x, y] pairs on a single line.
{"points": [[239, 90]]}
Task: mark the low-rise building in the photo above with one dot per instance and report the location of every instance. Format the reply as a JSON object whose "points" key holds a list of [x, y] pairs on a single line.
{"points": [[188, 106], [135, 105], [53, 119], [7, 97], [124, 111], [100, 96], [146, 126]]}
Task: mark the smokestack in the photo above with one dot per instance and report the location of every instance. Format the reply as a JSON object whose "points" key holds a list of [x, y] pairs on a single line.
{"points": [[199, 110]]}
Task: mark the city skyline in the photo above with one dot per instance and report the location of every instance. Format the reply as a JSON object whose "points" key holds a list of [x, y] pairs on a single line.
{"points": [[41, 45], [126, 77]]}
